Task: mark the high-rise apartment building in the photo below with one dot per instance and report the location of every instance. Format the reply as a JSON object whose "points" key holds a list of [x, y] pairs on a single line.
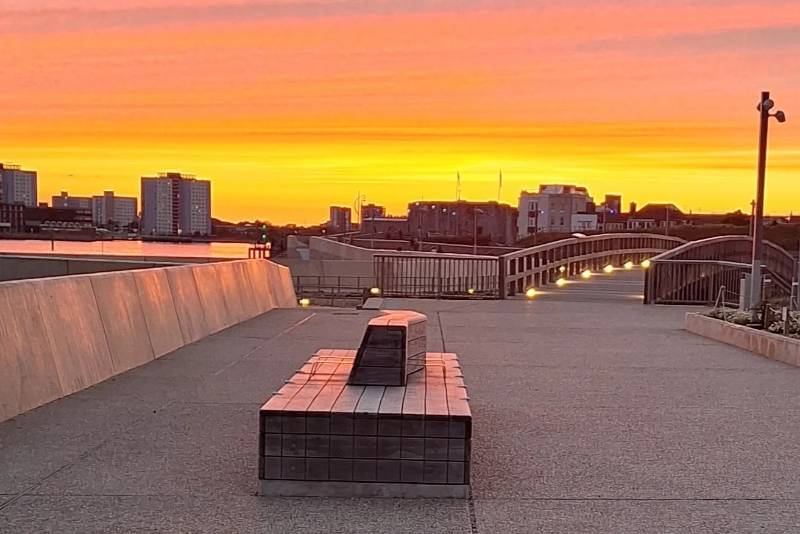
{"points": [[175, 204], [18, 186], [551, 208], [340, 219], [111, 210]]}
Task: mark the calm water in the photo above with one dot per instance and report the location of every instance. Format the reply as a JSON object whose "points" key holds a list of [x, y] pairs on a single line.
{"points": [[128, 248]]}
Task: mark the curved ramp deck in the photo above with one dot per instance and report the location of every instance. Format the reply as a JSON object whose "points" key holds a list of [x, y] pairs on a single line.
{"points": [[590, 415]]}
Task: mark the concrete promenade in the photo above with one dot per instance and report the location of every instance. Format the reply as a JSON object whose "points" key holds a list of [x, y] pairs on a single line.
{"points": [[592, 413]]}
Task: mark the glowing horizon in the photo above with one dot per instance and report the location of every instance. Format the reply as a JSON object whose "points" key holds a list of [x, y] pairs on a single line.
{"points": [[289, 107]]}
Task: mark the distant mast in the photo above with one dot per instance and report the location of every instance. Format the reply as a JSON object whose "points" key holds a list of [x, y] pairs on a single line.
{"points": [[458, 186], [499, 185]]}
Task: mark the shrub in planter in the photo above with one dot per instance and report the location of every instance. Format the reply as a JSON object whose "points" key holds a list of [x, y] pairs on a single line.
{"points": [[731, 316]]}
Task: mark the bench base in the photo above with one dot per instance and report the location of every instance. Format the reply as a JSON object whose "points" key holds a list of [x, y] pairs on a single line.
{"points": [[308, 488]]}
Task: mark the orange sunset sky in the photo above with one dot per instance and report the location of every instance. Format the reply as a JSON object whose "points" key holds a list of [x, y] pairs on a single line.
{"points": [[291, 106]]}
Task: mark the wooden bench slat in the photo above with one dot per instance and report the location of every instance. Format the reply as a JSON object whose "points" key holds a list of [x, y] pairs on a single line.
{"points": [[370, 400], [392, 401], [435, 391], [414, 400]]}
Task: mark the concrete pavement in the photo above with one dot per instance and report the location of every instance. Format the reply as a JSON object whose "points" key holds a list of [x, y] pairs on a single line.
{"points": [[592, 413]]}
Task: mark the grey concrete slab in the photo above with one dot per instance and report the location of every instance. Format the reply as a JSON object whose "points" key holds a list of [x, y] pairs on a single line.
{"points": [[592, 413], [240, 513], [577, 516], [38, 443], [634, 453]]}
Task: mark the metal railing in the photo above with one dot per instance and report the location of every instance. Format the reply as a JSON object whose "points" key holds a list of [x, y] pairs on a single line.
{"points": [[466, 276], [692, 273], [332, 286], [437, 277], [544, 264], [692, 281]]}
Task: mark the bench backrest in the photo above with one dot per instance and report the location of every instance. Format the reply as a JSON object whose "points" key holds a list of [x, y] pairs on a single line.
{"points": [[393, 347]]}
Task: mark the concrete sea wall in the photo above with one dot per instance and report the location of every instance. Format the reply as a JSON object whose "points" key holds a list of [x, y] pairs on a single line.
{"points": [[61, 335], [773, 346]]}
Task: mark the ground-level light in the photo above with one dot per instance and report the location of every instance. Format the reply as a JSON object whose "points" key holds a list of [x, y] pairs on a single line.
{"points": [[375, 291], [646, 264], [470, 291], [628, 265], [562, 269], [587, 273], [608, 268], [305, 302], [561, 282], [530, 293]]}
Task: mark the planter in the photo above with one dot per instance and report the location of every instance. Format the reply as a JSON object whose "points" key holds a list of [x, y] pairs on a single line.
{"points": [[773, 346]]}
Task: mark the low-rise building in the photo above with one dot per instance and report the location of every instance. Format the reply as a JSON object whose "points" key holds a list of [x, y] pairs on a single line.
{"points": [[12, 218], [655, 216], [385, 227], [372, 211], [551, 208], [66, 201], [584, 222], [44, 219], [490, 221], [111, 210]]}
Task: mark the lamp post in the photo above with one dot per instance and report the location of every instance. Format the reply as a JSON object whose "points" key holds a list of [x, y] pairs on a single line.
{"points": [[475, 213], [763, 107]]}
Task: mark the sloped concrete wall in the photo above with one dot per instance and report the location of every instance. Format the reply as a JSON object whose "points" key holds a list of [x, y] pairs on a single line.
{"points": [[190, 312], [27, 377], [61, 335], [158, 307], [123, 320]]}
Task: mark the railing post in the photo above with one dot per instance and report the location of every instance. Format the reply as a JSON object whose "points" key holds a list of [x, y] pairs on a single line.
{"points": [[501, 277]]}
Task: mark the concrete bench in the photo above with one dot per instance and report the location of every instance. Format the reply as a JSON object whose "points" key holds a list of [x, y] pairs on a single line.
{"points": [[322, 436], [393, 347]]}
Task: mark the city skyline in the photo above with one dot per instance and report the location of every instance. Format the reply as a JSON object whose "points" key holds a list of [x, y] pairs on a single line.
{"points": [[405, 206], [306, 104]]}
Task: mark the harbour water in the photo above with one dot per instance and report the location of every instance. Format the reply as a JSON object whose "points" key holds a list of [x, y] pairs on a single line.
{"points": [[126, 248]]}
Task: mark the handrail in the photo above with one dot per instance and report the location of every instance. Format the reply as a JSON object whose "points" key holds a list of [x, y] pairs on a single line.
{"points": [[592, 238], [543, 264], [672, 279]]}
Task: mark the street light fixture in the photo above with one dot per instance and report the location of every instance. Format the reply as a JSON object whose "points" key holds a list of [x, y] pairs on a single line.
{"points": [[476, 212], [764, 106]]}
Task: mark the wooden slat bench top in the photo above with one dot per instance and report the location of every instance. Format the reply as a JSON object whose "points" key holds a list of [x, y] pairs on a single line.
{"points": [[320, 387]]}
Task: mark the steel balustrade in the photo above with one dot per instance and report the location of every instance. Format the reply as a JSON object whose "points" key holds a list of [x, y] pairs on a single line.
{"points": [[541, 265], [693, 273]]}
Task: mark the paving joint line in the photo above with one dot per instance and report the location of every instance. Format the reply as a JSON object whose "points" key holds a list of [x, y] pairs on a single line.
{"points": [[639, 499], [261, 345], [473, 517]]}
